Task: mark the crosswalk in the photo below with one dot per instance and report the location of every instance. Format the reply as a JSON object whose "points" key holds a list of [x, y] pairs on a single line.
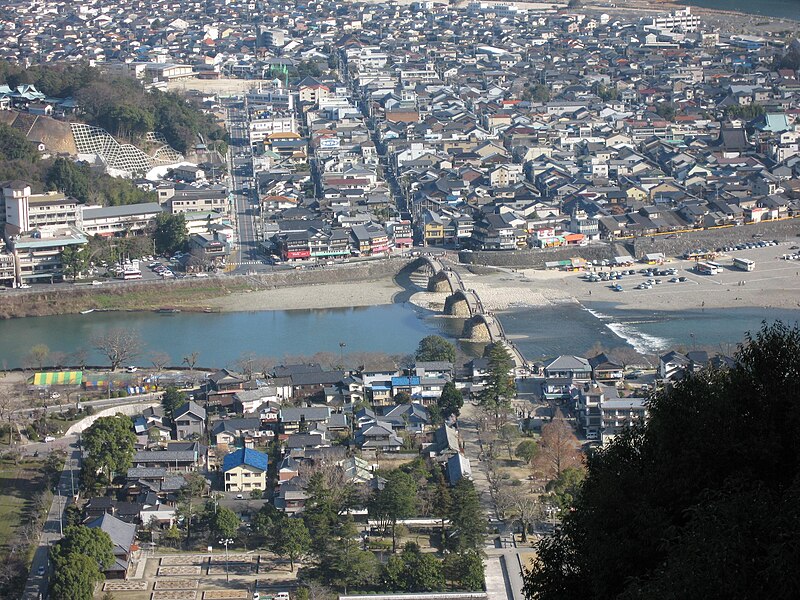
{"points": [[248, 262]]}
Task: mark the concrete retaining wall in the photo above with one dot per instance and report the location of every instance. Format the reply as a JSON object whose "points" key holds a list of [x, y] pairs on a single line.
{"points": [[671, 245], [353, 272], [537, 258], [715, 238], [125, 409]]}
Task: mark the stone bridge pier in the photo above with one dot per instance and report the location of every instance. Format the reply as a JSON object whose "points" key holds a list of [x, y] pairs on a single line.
{"points": [[476, 329], [439, 282]]}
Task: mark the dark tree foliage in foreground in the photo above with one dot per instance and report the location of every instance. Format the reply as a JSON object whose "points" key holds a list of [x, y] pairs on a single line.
{"points": [[702, 502]]}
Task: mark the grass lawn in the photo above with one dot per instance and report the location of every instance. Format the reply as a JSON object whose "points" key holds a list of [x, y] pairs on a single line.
{"points": [[19, 485]]}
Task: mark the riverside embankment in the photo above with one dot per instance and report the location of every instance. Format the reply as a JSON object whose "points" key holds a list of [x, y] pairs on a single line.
{"points": [[360, 284]]}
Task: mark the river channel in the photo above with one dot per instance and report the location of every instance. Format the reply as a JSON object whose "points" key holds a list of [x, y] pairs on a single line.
{"points": [[222, 338]]}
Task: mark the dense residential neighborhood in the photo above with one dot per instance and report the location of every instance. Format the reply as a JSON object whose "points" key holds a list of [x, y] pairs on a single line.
{"points": [[247, 147], [549, 128]]}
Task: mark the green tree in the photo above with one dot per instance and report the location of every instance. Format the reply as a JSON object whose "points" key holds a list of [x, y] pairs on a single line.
{"points": [[468, 524], [397, 500], [565, 488], [435, 348], [171, 400], [441, 502], [74, 577], [15, 146], [748, 112], [264, 520], [413, 571], [347, 566], [172, 537], [465, 570], [499, 389], [666, 110], [74, 261], [290, 538], [72, 515], [402, 398], [88, 541], [69, 178], [223, 523], [170, 233], [109, 445], [702, 501], [451, 400], [527, 450]]}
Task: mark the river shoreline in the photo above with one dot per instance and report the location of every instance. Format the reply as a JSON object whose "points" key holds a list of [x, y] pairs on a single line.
{"points": [[319, 288]]}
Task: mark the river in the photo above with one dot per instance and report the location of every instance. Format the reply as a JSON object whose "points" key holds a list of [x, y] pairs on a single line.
{"points": [[540, 333], [221, 338], [784, 9], [576, 328]]}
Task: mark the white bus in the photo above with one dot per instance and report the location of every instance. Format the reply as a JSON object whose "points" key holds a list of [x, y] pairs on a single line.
{"points": [[707, 268], [745, 264], [131, 274]]}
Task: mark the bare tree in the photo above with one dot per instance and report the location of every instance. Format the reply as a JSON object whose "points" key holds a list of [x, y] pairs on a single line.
{"points": [[190, 360], [159, 360], [315, 591], [79, 358], [559, 447], [8, 404], [522, 505], [119, 345], [245, 364], [39, 354], [58, 359]]}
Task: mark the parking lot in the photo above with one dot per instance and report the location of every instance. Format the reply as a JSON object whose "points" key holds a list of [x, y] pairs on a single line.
{"points": [[677, 285]]}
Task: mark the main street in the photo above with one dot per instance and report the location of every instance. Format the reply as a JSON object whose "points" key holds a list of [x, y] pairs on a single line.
{"points": [[243, 190], [36, 586]]}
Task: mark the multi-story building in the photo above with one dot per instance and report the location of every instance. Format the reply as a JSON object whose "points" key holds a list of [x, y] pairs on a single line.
{"points": [[129, 219], [182, 199], [268, 123], [7, 266], [24, 211], [682, 20], [602, 414], [38, 257], [211, 249], [401, 233], [245, 470], [581, 223]]}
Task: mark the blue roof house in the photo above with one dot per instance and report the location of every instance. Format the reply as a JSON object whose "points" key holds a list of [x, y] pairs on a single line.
{"points": [[245, 470]]}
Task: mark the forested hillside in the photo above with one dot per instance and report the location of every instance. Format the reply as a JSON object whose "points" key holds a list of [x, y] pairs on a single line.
{"points": [[121, 106]]}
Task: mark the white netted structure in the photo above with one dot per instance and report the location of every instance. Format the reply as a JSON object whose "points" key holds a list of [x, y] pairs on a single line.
{"points": [[122, 157]]}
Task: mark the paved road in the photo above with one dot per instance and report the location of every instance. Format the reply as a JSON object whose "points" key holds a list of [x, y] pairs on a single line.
{"points": [[244, 209], [51, 532]]}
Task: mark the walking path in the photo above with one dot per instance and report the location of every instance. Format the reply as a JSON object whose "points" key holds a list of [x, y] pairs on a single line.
{"points": [[502, 565]]}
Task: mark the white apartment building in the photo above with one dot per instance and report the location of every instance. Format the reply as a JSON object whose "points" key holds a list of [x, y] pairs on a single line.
{"points": [[131, 219], [25, 211], [602, 414], [682, 20], [261, 128]]}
